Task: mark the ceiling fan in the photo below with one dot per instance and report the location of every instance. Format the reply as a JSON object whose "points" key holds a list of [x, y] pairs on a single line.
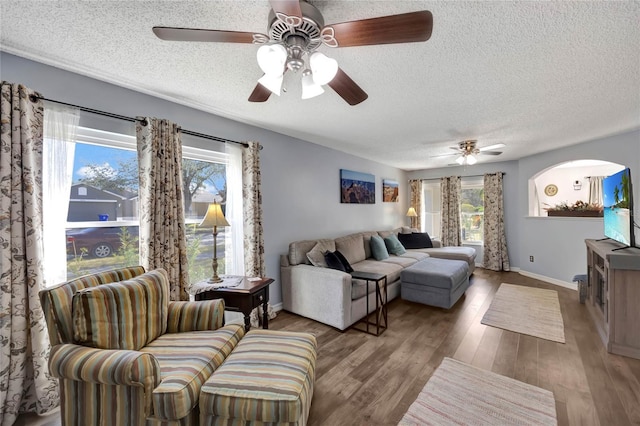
{"points": [[468, 150], [295, 31]]}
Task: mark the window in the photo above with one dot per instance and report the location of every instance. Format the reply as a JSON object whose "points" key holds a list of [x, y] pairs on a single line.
{"points": [[471, 209], [103, 223]]}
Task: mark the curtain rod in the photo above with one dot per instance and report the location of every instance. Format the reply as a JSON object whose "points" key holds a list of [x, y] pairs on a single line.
{"points": [[133, 120]]}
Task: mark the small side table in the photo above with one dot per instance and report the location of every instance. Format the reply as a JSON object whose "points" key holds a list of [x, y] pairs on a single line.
{"points": [[381, 321], [243, 298]]}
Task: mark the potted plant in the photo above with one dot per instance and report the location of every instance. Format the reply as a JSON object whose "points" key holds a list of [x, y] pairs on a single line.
{"points": [[577, 209]]}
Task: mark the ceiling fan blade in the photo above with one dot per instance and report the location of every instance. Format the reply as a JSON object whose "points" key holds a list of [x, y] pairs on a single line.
{"points": [[403, 28], [347, 88], [490, 152], [259, 94], [444, 155], [491, 147], [287, 7], [195, 34]]}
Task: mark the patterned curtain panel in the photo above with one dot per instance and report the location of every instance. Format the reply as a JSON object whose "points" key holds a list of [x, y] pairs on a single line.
{"points": [[450, 189], [25, 382], [252, 211], [496, 257], [163, 242], [415, 186]]}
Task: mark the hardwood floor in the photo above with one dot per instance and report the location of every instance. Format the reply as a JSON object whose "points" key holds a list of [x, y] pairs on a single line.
{"points": [[368, 380]]}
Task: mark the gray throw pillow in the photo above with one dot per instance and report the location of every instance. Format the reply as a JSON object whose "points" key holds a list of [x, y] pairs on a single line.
{"points": [[316, 255], [378, 248], [394, 246]]}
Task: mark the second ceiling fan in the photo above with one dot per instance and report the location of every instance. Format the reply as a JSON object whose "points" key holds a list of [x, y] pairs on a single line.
{"points": [[296, 30]]}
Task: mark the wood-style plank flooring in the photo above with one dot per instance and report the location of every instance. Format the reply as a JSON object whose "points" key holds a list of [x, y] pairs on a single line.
{"points": [[367, 380]]}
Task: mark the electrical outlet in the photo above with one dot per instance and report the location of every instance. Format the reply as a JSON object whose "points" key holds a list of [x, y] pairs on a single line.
{"points": [[530, 258]]}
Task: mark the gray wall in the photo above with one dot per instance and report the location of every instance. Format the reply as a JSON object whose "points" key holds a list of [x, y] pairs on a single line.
{"points": [[557, 244], [300, 180]]}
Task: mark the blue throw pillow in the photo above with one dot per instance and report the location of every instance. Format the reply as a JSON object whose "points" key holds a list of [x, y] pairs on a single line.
{"points": [[394, 246], [378, 248]]}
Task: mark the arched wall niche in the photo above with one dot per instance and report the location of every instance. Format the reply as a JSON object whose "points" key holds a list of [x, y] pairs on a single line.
{"points": [[566, 182]]}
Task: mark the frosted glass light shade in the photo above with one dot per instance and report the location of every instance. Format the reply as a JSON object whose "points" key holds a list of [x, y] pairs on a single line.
{"points": [[271, 59], [309, 87], [323, 68], [273, 83], [460, 160], [471, 160]]}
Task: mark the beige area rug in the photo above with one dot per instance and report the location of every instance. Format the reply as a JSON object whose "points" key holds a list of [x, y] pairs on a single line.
{"points": [[526, 310], [458, 393]]}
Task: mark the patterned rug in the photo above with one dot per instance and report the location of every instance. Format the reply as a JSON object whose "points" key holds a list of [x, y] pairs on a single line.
{"points": [[526, 310], [458, 393]]}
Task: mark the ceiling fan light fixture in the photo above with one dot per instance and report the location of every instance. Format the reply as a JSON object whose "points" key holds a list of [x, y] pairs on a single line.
{"points": [[324, 69], [272, 82], [460, 160], [471, 160], [272, 59], [309, 87]]}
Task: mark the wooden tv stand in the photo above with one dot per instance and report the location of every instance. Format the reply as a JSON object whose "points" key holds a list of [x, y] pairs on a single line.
{"points": [[613, 295]]}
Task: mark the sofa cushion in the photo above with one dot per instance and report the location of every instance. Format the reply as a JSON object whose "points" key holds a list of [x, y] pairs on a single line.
{"points": [[366, 236], [298, 250], [317, 254], [378, 248], [122, 315], [352, 247], [111, 316], [385, 234], [417, 255], [394, 246], [400, 260], [415, 240], [391, 270], [333, 261], [186, 361]]}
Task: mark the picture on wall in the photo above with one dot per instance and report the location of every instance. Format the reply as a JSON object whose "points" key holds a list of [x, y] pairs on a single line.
{"points": [[389, 191], [357, 188]]}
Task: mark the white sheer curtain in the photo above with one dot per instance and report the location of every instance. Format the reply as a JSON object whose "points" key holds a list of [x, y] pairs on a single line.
{"points": [[233, 240], [60, 130], [595, 190]]}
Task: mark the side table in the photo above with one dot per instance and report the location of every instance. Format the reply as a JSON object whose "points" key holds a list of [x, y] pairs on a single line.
{"points": [[381, 321], [245, 297]]}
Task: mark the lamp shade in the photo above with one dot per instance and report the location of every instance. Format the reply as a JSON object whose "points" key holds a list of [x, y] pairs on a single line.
{"points": [[309, 87], [323, 68], [271, 59], [471, 160], [412, 212], [460, 160], [213, 217], [271, 82]]}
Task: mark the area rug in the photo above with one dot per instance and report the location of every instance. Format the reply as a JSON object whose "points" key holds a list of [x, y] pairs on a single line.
{"points": [[526, 310], [458, 393]]}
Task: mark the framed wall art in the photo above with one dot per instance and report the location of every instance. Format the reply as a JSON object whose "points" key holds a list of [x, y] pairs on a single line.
{"points": [[390, 191], [357, 187]]}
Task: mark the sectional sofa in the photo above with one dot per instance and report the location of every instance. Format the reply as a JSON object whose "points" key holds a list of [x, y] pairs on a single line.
{"points": [[331, 296]]}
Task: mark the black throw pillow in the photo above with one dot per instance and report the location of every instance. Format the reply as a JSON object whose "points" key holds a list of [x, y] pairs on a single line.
{"points": [[416, 240], [344, 261], [333, 261]]}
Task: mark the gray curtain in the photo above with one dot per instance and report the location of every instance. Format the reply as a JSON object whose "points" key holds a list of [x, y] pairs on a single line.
{"points": [[25, 382], [450, 189], [496, 257], [595, 190], [415, 201], [163, 241]]}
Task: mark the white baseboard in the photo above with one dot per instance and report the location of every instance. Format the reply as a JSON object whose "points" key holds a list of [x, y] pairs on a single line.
{"points": [[565, 284], [277, 307]]}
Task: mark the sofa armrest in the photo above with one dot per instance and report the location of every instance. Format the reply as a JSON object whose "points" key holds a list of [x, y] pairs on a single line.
{"points": [[322, 294], [106, 366], [436, 243], [201, 315]]}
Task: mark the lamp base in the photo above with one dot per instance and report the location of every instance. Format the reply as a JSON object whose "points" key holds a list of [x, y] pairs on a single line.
{"points": [[214, 280]]}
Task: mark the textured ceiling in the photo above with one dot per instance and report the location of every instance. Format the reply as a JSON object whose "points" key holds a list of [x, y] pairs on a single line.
{"points": [[532, 75]]}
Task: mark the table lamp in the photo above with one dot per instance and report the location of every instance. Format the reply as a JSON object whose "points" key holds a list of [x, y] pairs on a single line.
{"points": [[411, 213], [214, 218]]}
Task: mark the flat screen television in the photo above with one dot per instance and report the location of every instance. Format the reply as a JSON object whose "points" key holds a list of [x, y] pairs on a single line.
{"points": [[618, 207]]}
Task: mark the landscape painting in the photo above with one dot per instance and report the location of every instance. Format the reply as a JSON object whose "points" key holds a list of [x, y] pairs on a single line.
{"points": [[389, 191], [357, 188]]}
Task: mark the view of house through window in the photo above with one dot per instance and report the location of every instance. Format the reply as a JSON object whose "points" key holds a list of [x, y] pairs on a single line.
{"points": [[103, 224], [471, 209]]}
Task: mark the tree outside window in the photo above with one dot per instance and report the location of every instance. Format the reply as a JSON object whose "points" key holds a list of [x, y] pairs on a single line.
{"points": [[472, 213]]}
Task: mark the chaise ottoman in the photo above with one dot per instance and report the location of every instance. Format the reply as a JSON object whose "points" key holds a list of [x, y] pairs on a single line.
{"points": [[268, 378], [435, 282]]}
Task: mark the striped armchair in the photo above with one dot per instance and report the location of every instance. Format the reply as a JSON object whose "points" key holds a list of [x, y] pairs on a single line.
{"points": [[127, 355]]}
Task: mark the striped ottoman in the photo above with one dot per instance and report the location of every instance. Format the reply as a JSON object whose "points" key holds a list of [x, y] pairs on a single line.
{"points": [[268, 378]]}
